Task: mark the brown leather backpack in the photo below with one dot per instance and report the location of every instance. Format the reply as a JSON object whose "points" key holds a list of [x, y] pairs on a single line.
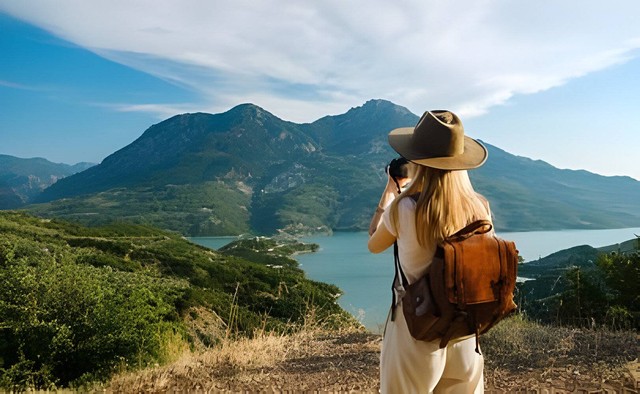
{"points": [[467, 289]]}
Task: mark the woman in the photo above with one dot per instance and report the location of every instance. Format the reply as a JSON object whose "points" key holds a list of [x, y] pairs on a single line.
{"points": [[439, 201]]}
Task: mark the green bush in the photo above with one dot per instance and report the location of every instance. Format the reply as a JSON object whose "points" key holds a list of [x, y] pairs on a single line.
{"points": [[607, 293], [621, 274], [64, 322]]}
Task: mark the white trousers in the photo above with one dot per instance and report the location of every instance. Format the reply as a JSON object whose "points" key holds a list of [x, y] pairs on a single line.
{"points": [[411, 366]]}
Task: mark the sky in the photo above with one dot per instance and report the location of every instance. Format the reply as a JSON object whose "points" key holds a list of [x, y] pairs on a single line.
{"points": [[554, 80]]}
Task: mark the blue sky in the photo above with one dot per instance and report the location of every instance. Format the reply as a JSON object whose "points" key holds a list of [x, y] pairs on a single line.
{"points": [[551, 80]]}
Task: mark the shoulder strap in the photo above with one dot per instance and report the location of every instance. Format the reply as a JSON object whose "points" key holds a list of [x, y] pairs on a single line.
{"points": [[399, 278], [396, 259]]}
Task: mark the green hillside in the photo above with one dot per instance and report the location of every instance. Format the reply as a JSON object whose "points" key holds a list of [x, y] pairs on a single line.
{"points": [[78, 303], [584, 286], [207, 208], [530, 194]]}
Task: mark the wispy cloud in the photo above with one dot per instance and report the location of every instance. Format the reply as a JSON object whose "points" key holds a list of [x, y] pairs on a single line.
{"points": [[14, 85], [160, 111], [302, 60]]}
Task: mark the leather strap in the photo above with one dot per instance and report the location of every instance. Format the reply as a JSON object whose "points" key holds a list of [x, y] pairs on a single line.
{"points": [[399, 276], [478, 227]]}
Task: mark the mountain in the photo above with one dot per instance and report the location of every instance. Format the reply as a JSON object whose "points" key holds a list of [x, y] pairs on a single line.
{"points": [[193, 148], [530, 194], [23, 179], [246, 170]]}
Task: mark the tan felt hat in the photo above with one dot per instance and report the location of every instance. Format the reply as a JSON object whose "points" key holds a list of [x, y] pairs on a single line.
{"points": [[438, 141]]}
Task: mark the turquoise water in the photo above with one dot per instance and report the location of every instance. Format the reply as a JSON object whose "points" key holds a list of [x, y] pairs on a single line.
{"points": [[365, 278], [212, 242]]}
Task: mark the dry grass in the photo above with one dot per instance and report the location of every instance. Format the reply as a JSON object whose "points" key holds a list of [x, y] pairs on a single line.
{"points": [[312, 357], [519, 354], [307, 360]]}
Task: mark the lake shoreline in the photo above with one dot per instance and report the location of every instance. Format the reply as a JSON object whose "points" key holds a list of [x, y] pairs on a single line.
{"points": [[365, 279]]}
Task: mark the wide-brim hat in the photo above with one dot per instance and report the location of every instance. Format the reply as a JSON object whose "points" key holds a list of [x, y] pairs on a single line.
{"points": [[438, 141]]}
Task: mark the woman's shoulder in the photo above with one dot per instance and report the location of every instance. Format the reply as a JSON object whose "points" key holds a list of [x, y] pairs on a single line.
{"points": [[408, 202]]}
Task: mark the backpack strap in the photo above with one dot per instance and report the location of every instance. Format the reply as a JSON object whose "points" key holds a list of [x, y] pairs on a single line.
{"points": [[478, 227], [400, 282]]}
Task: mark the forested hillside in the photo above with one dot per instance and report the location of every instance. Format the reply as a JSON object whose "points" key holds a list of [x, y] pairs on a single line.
{"points": [[77, 303]]}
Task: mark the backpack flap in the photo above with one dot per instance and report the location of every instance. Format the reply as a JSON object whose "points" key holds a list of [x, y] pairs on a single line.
{"points": [[474, 270]]}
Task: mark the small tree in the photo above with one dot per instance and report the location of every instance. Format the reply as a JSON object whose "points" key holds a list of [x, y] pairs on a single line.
{"points": [[608, 293], [621, 273], [583, 301]]}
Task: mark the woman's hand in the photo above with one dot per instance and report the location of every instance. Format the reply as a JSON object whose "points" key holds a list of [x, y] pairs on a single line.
{"points": [[391, 185], [389, 193]]}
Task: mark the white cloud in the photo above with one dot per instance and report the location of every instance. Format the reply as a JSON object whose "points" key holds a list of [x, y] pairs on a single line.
{"points": [[14, 85], [161, 111], [303, 60]]}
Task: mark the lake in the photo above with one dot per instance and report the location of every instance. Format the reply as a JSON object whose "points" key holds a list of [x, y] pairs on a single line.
{"points": [[365, 278]]}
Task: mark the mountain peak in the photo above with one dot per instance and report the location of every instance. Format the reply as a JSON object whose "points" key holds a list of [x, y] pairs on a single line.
{"points": [[251, 111], [378, 102], [380, 105]]}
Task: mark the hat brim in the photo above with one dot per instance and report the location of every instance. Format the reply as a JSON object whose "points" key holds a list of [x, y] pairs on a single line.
{"points": [[474, 155]]}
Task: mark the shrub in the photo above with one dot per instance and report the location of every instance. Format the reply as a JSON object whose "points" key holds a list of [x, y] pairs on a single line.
{"points": [[607, 293], [63, 322]]}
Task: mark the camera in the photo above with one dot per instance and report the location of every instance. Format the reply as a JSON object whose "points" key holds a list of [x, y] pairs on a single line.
{"points": [[398, 168]]}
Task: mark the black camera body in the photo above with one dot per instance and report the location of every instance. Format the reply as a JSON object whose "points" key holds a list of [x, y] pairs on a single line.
{"points": [[397, 168]]}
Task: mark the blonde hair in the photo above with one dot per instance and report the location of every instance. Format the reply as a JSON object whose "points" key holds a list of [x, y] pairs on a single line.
{"points": [[446, 203]]}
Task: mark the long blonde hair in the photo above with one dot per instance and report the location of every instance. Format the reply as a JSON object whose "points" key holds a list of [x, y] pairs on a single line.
{"points": [[446, 203]]}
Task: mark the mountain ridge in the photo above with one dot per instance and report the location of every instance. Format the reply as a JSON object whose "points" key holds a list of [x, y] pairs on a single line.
{"points": [[273, 175], [21, 179]]}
